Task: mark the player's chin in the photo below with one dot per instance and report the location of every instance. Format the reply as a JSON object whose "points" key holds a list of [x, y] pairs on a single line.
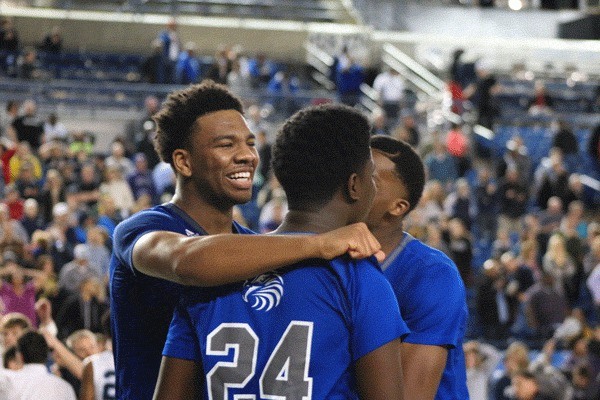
{"points": [[242, 197]]}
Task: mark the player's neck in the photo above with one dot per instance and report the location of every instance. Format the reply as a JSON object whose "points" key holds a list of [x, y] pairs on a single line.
{"points": [[389, 235], [212, 219], [311, 221]]}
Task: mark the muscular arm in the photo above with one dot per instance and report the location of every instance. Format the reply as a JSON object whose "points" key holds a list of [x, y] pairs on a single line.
{"points": [[379, 373], [219, 259], [177, 380], [87, 383], [422, 366]]}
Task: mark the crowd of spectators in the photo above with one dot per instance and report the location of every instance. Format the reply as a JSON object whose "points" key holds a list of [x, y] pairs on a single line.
{"points": [[525, 236]]}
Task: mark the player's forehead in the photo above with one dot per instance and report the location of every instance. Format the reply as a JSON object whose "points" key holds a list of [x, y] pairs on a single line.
{"points": [[221, 123]]}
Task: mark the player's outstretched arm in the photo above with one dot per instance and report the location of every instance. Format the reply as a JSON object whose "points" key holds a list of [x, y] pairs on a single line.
{"points": [[422, 366], [177, 380], [219, 259], [379, 373], [87, 391]]}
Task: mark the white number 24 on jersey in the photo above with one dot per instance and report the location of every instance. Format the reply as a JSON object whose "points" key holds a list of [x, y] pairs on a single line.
{"points": [[285, 376]]}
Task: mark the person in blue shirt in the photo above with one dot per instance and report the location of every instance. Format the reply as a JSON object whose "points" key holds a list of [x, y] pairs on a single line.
{"points": [[202, 134], [316, 329], [427, 284]]}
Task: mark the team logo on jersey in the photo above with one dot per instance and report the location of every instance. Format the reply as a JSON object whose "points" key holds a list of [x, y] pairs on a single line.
{"points": [[190, 233], [264, 292]]}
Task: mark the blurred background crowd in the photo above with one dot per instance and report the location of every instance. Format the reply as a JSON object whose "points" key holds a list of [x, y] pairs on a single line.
{"points": [[512, 196]]}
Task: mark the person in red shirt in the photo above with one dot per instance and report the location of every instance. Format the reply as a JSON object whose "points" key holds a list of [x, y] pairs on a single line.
{"points": [[457, 144]]}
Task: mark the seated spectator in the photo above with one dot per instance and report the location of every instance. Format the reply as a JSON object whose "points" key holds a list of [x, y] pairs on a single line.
{"points": [[527, 387], [516, 359], [53, 41], [461, 252], [99, 255], [81, 141], [141, 181], [541, 103], [32, 220], [33, 381], [512, 199], [516, 157], [408, 130], [118, 159], [563, 268], [14, 202], [117, 187], [24, 156], [461, 204], [28, 65], [261, 70], [26, 182], [12, 327]]}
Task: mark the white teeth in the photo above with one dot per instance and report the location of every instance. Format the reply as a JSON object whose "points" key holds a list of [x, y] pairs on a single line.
{"points": [[240, 175]]}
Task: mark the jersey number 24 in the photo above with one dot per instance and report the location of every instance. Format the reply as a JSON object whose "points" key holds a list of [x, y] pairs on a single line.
{"points": [[285, 375]]}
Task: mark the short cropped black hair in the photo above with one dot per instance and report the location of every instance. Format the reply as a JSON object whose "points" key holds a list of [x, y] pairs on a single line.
{"points": [[316, 151], [409, 166], [177, 118], [33, 348]]}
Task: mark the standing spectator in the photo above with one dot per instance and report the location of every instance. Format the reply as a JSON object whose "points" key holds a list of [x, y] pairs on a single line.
{"points": [[33, 381], [516, 359], [486, 200], [481, 360], [457, 144], [24, 156], [151, 65], [261, 70], [16, 293], [461, 204], [408, 130], [516, 157], [491, 304], [26, 183], [52, 193], [389, 86], [220, 67], [54, 130], [28, 127], [171, 47], [74, 273], [10, 114], [187, 68], [440, 165], [99, 255], [546, 308], [9, 46], [559, 263], [461, 252], [527, 387], [32, 219], [14, 202], [482, 94], [53, 41], [263, 146], [512, 197], [27, 64], [349, 76]]}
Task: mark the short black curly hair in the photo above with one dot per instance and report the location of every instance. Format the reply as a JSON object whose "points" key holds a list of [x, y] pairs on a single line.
{"points": [[316, 151], [409, 166], [177, 118]]}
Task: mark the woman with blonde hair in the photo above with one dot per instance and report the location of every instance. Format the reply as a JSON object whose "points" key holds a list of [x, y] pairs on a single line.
{"points": [[560, 265]]}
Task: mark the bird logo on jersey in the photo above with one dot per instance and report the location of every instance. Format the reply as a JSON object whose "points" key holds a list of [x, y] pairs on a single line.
{"points": [[264, 292]]}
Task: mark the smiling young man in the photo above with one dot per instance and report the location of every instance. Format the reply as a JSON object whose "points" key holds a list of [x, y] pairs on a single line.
{"points": [[429, 289], [193, 240], [317, 329]]}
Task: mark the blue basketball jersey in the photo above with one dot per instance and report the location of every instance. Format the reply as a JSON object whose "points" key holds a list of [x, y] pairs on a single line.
{"points": [[294, 332], [432, 300], [142, 306]]}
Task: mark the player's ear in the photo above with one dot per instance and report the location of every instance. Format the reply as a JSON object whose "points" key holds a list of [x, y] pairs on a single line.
{"points": [[398, 207], [353, 187], [181, 161]]}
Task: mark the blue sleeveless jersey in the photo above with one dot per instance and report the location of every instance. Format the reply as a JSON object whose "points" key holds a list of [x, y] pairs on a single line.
{"points": [[432, 300], [142, 306], [295, 332]]}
